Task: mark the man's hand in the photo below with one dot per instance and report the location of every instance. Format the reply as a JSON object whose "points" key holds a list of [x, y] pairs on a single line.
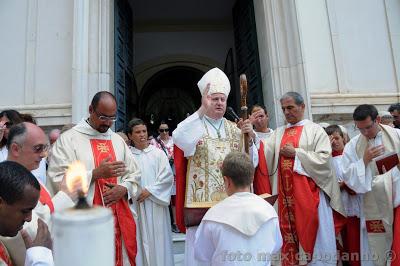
{"points": [[254, 117], [205, 102], [109, 169], [372, 152], [144, 195], [288, 151], [247, 128], [43, 237], [114, 194], [2, 129]]}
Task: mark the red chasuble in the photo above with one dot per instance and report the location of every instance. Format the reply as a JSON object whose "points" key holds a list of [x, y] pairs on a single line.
{"points": [[261, 182], [45, 198], [4, 255], [125, 227], [298, 201]]}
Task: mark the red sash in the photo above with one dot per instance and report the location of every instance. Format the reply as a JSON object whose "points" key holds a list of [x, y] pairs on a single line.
{"points": [[261, 182], [298, 202], [396, 238], [4, 257], [45, 198], [125, 227]]}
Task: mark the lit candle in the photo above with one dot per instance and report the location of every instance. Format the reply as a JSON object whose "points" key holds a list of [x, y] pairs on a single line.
{"points": [[83, 236]]}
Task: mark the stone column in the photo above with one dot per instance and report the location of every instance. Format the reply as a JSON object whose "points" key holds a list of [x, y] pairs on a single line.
{"points": [[91, 67], [281, 60]]}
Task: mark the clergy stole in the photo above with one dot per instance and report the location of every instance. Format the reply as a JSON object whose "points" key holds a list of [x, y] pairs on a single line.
{"points": [[45, 198], [298, 200], [4, 256], [204, 181], [124, 224]]}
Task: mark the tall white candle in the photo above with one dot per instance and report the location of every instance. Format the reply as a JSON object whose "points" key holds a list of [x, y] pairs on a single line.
{"points": [[84, 237]]}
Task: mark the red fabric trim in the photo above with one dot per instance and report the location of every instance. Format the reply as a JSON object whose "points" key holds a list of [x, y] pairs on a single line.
{"points": [[339, 222], [4, 255], [45, 198], [337, 153], [396, 238], [261, 183], [298, 201], [375, 226], [124, 224], [351, 241], [180, 172]]}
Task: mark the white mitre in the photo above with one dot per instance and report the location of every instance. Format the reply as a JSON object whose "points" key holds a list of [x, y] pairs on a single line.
{"points": [[219, 82]]}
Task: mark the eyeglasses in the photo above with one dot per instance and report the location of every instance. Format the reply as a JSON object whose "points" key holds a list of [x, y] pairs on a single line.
{"points": [[163, 130], [106, 118], [367, 128], [41, 148]]}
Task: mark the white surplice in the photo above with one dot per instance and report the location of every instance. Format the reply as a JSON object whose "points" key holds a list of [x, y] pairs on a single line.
{"points": [[186, 137], [74, 145], [154, 225], [243, 229], [360, 179]]}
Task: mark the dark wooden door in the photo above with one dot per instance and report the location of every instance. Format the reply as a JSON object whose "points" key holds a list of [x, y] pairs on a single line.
{"points": [[124, 82], [246, 48]]}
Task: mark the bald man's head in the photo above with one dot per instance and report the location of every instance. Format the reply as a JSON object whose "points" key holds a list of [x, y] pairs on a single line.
{"points": [[103, 111], [27, 145], [53, 135]]}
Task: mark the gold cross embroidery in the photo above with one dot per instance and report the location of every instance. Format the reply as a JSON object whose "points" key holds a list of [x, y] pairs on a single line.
{"points": [[102, 147], [287, 164], [292, 132]]}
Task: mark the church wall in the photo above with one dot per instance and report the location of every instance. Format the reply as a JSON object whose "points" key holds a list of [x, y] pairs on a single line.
{"points": [[36, 52], [351, 54]]}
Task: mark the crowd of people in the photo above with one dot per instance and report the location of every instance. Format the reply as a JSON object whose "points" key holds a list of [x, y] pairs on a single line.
{"points": [[334, 205]]}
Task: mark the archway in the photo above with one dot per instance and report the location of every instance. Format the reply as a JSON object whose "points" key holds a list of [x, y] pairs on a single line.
{"points": [[170, 95]]}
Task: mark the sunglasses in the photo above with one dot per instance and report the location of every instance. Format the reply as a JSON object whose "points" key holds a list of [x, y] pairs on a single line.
{"points": [[161, 130]]}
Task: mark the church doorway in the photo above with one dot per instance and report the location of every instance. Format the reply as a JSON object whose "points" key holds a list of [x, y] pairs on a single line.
{"points": [[163, 48], [170, 95]]}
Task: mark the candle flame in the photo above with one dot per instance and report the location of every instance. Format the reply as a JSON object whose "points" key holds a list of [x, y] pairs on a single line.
{"points": [[76, 177]]}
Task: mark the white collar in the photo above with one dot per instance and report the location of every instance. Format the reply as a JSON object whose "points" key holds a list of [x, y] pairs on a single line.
{"points": [[300, 123], [84, 128], [145, 150]]}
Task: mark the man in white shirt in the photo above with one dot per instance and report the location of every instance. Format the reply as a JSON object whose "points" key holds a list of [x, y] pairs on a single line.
{"points": [[154, 226], [380, 192], [243, 228], [19, 194]]}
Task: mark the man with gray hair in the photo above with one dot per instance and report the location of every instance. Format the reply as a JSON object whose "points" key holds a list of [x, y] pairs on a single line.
{"points": [[308, 192], [27, 144], [243, 224]]}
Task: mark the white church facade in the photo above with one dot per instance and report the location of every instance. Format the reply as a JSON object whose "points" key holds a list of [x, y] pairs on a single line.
{"points": [[56, 54]]}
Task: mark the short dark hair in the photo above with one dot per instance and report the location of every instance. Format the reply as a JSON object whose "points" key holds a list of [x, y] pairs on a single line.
{"points": [[98, 96], [332, 129], [13, 180], [14, 117], [364, 111], [258, 106], [17, 134], [394, 107], [134, 122], [238, 167], [298, 99]]}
